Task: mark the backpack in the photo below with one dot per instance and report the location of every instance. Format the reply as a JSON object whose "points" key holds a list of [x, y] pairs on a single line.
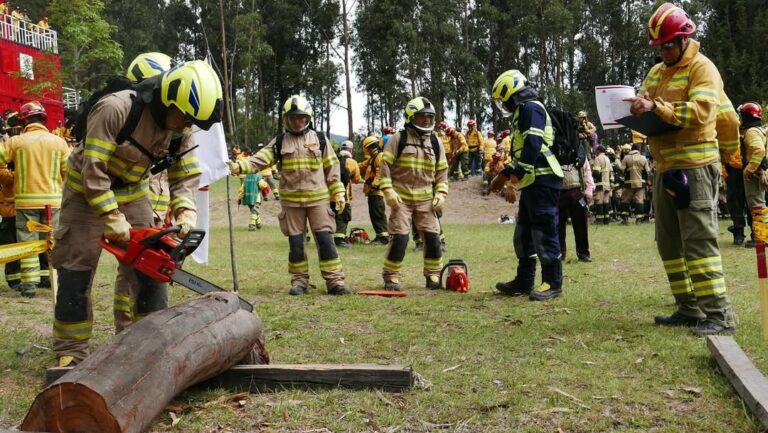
{"points": [[117, 84], [403, 142], [278, 149], [343, 169], [566, 146]]}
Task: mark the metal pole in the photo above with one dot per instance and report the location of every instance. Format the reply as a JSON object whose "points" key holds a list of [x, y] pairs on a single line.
{"points": [[235, 283]]}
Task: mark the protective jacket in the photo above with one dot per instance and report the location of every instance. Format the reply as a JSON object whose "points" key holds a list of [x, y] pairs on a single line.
{"points": [[414, 172], [474, 140], [309, 174], [489, 148], [7, 206], [108, 173], [602, 166], [372, 168], [690, 94], [754, 148], [636, 169], [38, 157]]}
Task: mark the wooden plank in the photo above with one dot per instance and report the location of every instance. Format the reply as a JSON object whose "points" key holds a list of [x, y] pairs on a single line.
{"points": [[749, 383], [261, 378]]}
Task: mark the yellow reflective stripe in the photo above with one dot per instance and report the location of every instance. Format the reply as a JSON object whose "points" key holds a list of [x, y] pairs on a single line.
{"points": [[330, 265], [120, 169], [335, 188], [703, 94], [180, 202], [73, 331], [99, 149], [104, 202], [711, 287], [691, 152], [391, 266], [245, 166], [44, 273], [4, 155], [674, 266], [290, 164], [187, 166], [21, 168], [533, 131], [442, 165], [304, 196], [132, 192], [30, 200], [385, 182], [299, 267], [330, 160], [266, 155], [680, 287], [388, 157], [122, 303], [433, 264], [158, 202], [414, 194], [441, 187], [415, 162]]}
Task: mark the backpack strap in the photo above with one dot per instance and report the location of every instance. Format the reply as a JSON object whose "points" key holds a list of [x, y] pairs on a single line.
{"points": [[404, 142], [277, 149]]}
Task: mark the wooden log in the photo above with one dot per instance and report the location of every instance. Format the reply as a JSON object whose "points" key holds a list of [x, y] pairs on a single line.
{"points": [[749, 383], [262, 378], [125, 384]]}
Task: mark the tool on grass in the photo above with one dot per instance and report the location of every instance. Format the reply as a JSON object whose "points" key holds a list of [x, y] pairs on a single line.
{"points": [[158, 254], [458, 276]]}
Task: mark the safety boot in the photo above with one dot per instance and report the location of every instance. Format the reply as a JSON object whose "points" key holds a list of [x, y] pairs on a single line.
{"points": [[392, 286], [707, 327], [676, 319], [338, 291], [380, 240], [67, 361], [433, 282], [545, 292], [514, 288], [341, 242], [296, 291], [28, 290]]}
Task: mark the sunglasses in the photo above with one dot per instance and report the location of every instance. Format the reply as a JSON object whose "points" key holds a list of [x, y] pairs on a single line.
{"points": [[668, 45]]}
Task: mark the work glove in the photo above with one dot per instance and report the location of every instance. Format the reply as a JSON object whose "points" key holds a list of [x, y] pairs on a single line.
{"points": [[393, 200], [186, 219], [764, 179], [498, 182], [234, 168], [510, 194], [438, 201], [340, 201], [116, 227]]}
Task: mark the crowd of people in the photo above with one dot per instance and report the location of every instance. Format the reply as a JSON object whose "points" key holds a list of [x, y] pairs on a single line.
{"points": [[19, 18]]}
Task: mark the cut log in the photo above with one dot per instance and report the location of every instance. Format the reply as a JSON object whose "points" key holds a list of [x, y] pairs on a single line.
{"points": [[124, 385], [749, 383], [260, 378]]}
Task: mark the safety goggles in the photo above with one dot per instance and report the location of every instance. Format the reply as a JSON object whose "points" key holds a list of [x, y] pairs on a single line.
{"points": [[669, 45]]}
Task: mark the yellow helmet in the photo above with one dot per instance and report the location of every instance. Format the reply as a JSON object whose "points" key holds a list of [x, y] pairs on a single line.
{"points": [[419, 106], [147, 65], [369, 141], [581, 114], [195, 89], [506, 85], [297, 105]]}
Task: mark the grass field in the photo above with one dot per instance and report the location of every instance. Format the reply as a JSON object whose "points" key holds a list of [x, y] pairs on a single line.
{"points": [[590, 361]]}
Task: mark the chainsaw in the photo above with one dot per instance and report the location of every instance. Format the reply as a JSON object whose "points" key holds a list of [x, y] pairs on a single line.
{"points": [[158, 254]]}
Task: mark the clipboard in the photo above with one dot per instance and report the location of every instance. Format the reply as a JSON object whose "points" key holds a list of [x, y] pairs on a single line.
{"points": [[649, 123]]}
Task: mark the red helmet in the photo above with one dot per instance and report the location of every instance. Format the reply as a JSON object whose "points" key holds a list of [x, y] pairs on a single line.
{"points": [[668, 23], [450, 131], [750, 109], [471, 124], [387, 129], [33, 108], [505, 133], [491, 133], [442, 125]]}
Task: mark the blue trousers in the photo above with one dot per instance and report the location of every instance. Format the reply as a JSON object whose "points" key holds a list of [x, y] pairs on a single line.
{"points": [[536, 235]]}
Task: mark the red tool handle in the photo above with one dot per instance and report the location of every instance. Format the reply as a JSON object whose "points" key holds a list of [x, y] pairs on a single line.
{"points": [[48, 214]]}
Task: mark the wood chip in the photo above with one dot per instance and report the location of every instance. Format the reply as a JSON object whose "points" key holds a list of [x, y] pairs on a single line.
{"points": [[691, 389], [451, 368], [174, 419], [565, 394]]}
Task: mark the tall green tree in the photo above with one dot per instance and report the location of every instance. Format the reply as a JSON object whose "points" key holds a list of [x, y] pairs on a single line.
{"points": [[89, 54]]}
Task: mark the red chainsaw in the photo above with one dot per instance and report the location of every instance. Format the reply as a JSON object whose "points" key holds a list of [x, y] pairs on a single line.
{"points": [[159, 254]]}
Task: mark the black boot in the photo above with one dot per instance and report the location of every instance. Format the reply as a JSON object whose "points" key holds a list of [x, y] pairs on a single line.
{"points": [[514, 287], [676, 319]]}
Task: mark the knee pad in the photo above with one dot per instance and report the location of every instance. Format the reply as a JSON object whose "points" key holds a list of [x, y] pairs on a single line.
{"points": [[152, 296], [432, 246], [397, 249], [326, 248], [296, 248], [72, 297]]}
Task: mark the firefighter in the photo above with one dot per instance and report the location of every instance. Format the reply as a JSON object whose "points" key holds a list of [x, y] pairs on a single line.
{"points": [[687, 170], [489, 148], [8, 225], [371, 188], [310, 180], [459, 169], [350, 173], [617, 185], [602, 174], [535, 171], [494, 167], [105, 191], [251, 195], [38, 158], [753, 148], [636, 171], [127, 288], [475, 144], [587, 129], [414, 175]]}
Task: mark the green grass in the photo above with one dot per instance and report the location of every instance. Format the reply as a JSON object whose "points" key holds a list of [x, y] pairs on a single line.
{"points": [[510, 357]]}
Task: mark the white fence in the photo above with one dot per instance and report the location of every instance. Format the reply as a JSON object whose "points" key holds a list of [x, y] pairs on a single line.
{"points": [[27, 33], [71, 98]]}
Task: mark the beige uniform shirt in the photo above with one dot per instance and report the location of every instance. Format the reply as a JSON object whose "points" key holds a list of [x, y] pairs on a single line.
{"points": [[417, 173]]}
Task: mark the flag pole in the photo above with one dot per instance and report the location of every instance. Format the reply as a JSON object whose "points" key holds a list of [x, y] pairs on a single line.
{"points": [[235, 283]]}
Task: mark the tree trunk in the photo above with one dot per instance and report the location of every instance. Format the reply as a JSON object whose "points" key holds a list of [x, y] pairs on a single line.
{"points": [[124, 385], [348, 82]]}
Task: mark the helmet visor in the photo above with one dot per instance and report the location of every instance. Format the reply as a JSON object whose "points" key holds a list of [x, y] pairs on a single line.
{"points": [[424, 122], [500, 105], [206, 124]]}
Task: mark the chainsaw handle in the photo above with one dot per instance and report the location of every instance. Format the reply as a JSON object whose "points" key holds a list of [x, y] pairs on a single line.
{"points": [[113, 248], [155, 238]]}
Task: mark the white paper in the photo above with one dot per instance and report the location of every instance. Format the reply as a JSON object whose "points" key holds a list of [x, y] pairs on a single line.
{"points": [[611, 104]]}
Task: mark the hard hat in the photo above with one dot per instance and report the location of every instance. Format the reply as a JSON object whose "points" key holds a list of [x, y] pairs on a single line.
{"points": [[418, 106], [387, 129], [505, 133], [626, 147], [370, 141], [471, 124], [297, 105], [750, 111], [668, 23], [147, 65], [506, 85], [347, 145], [610, 151], [582, 114], [195, 89], [450, 131], [442, 125], [32, 108]]}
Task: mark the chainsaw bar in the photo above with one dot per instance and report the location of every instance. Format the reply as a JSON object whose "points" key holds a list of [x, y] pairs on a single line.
{"points": [[201, 286]]}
